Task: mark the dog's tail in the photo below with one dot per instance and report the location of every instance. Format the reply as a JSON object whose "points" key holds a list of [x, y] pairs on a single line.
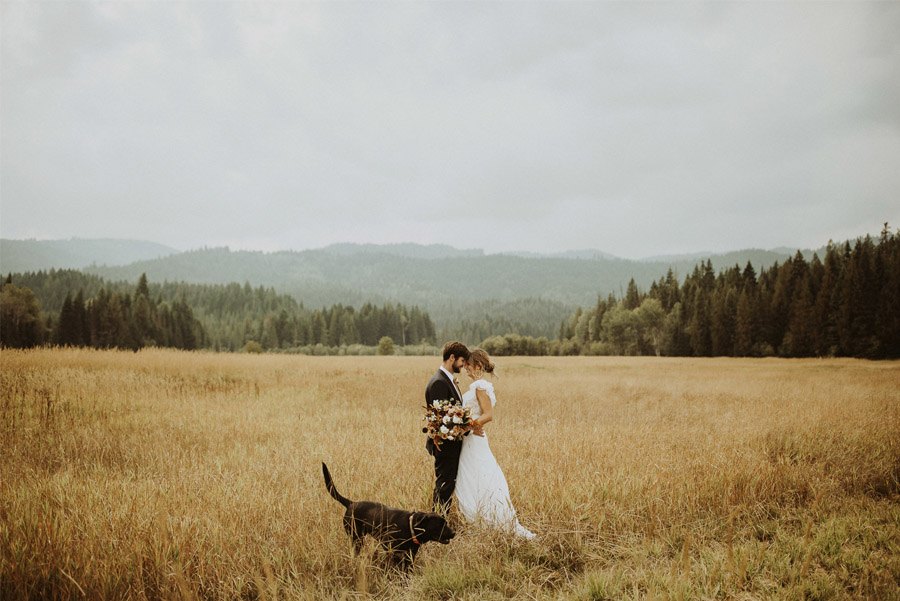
{"points": [[332, 490]]}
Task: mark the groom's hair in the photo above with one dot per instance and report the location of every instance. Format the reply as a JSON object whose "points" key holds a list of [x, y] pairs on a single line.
{"points": [[457, 349]]}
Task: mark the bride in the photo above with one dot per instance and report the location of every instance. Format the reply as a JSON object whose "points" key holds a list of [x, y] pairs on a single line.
{"points": [[481, 489]]}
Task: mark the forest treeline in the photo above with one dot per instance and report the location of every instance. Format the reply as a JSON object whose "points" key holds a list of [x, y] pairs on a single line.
{"points": [[109, 319], [468, 294], [844, 305], [439, 283], [475, 321], [68, 307]]}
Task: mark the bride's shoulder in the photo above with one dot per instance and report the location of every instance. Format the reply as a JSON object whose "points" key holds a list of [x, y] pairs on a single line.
{"points": [[483, 385], [487, 387]]}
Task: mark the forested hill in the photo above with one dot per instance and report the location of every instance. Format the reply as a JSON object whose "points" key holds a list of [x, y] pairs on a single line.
{"points": [[843, 303], [75, 253], [468, 293], [375, 274], [69, 307]]}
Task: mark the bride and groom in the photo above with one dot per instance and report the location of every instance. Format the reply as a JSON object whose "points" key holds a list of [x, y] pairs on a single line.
{"points": [[467, 467]]}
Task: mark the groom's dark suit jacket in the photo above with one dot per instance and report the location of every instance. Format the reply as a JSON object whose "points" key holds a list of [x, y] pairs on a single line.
{"points": [[440, 388]]}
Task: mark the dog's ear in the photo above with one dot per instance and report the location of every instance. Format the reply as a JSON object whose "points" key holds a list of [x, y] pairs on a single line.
{"points": [[431, 522]]}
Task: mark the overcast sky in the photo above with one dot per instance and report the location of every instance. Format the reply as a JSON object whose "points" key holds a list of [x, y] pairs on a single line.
{"points": [[635, 128]]}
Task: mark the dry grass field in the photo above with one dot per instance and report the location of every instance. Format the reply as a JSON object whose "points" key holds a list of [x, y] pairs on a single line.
{"points": [[162, 474]]}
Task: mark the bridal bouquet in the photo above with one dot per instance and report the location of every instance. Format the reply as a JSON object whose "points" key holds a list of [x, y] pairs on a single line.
{"points": [[445, 420]]}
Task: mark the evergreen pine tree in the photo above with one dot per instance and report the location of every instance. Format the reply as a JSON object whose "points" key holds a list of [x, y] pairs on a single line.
{"points": [[782, 295], [798, 340], [269, 337], [632, 296], [349, 333], [861, 299], [143, 289], [81, 333], [888, 318], [670, 292], [66, 326], [826, 307], [318, 328], [724, 313], [699, 325], [745, 324], [335, 324], [748, 276]]}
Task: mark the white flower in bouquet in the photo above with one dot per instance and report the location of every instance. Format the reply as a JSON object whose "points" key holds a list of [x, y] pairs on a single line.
{"points": [[446, 420]]}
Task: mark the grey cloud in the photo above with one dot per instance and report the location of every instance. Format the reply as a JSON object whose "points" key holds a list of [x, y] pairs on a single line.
{"points": [[639, 128]]}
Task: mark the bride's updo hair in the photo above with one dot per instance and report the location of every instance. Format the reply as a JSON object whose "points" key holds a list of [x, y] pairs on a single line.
{"points": [[480, 358]]}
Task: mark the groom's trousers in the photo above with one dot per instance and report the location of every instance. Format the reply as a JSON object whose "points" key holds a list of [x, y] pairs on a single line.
{"points": [[446, 464]]}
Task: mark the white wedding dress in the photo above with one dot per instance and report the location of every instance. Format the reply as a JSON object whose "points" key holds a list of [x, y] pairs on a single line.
{"points": [[481, 489]]}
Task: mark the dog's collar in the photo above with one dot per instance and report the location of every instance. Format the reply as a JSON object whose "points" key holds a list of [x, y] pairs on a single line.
{"points": [[412, 531]]}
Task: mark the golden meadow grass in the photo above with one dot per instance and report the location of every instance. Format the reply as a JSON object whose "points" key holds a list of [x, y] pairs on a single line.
{"points": [[163, 474]]}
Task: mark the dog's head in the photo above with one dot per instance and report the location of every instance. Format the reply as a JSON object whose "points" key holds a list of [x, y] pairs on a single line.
{"points": [[431, 526]]}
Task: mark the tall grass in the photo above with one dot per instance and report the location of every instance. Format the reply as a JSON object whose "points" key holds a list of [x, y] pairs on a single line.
{"points": [[162, 474]]}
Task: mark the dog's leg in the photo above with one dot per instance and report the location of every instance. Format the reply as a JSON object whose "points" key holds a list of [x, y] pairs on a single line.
{"points": [[357, 542], [356, 537], [406, 560]]}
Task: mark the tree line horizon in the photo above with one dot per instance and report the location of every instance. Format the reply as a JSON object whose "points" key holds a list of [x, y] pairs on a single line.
{"points": [[844, 304]]}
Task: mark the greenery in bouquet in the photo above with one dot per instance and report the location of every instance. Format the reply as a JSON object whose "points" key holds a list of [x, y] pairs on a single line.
{"points": [[446, 420]]}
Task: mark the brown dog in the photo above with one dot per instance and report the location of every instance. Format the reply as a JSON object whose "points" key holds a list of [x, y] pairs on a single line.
{"points": [[400, 532]]}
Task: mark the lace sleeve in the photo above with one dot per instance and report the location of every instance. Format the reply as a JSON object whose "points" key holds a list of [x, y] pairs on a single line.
{"points": [[488, 388]]}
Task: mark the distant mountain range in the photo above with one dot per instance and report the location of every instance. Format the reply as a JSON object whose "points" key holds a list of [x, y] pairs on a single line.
{"points": [[407, 249], [75, 253], [78, 253], [535, 291], [585, 254]]}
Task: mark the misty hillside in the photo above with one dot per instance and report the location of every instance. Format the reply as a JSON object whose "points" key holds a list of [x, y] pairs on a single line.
{"points": [[75, 253], [465, 291], [357, 273], [34, 255], [587, 253], [409, 250], [536, 293], [319, 277], [683, 264]]}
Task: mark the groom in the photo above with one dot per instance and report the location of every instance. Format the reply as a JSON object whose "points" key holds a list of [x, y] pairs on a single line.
{"points": [[441, 387]]}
